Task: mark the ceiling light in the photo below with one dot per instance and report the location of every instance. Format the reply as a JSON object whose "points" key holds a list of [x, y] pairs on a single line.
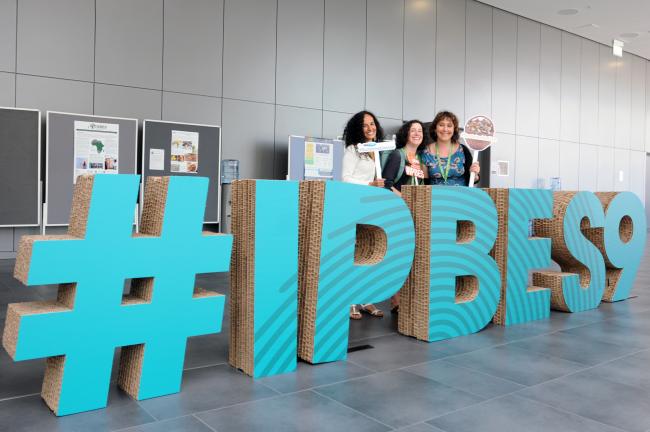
{"points": [[617, 48], [630, 35], [567, 12]]}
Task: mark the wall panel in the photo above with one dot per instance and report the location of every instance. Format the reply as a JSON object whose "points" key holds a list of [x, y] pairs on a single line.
{"points": [[253, 146], [550, 82], [344, 78], [293, 121], [249, 50], [607, 97], [638, 106], [527, 153], [299, 67], [570, 90], [384, 51], [191, 108], [128, 102], [589, 65], [528, 51], [419, 59], [450, 57], [49, 94], [623, 101], [638, 173], [334, 123], [569, 163], [621, 169], [588, 168], [549, 161], [192, 61], [7, 89], [129, 44], [504, 151], [8, 35], [73, 23], [504, 71], [605, 168], [478, 60]]}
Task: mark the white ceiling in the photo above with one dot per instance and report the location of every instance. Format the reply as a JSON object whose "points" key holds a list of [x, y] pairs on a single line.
{"points": [[598, 20]]}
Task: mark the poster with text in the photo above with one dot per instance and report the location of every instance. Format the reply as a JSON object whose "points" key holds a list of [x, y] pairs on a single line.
{"points": [[95, 148], [185, 152], [319, 160]]}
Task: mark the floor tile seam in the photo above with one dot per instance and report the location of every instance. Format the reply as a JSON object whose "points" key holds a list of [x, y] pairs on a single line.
{"points": [[474, 405], [357, 365], [375, 337], [205, 366], [354, 410], [581, 371], [204, 423], [566, 411], [328, 384], [197, 413], [485, 373], [156, 419], [18, 397], [553, 357]]}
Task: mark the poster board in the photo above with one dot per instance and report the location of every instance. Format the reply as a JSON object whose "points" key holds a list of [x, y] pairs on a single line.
{"points": [[67, 135], [20, 167], [303, 165], [185, 149]]}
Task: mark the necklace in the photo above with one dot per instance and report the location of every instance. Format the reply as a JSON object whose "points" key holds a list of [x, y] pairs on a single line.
{"points": [[444, 172]]}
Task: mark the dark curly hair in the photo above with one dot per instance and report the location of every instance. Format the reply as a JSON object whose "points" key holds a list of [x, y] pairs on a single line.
{"points": [[353, 132], [402, 135], [441, 116]]}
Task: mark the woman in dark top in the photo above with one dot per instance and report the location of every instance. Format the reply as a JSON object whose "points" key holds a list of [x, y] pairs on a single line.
{"points": [[448, 162], [404, 166]]}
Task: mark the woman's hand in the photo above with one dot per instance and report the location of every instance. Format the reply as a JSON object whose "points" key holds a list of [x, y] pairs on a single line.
{"points": [[378, 183], [475, 168]]}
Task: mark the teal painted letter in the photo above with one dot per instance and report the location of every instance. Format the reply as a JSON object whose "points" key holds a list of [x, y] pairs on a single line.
{"points": [[451, 259], [341, 281], [524, 253]]}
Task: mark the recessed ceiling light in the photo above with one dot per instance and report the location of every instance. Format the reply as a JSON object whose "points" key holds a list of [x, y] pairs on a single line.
{"points": [[568, 11], [629, 35]]}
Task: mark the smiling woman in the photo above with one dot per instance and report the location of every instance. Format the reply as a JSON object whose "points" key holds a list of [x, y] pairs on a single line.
{"points": [[449, 163], [359, 168]]}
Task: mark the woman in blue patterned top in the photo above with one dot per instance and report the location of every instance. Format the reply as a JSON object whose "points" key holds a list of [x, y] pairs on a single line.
{"points": [[448, 162]]}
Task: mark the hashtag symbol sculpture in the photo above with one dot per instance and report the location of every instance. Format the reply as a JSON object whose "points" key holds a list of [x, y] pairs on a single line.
{"points": [[78, 333]]}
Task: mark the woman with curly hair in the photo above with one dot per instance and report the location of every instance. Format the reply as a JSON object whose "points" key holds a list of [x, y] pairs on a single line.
{"points": [[359, 168]]}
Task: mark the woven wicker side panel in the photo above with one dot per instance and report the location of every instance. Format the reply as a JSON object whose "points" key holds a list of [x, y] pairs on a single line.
{"points": [[312, 201], [128, 377], [500, 250], [65, 297], [553, 281], [554, 229], [404, 318], [420, 301], [466, 288], [413, 318], [51, 389], [370, 246], [80, 205], [612, 275], [242, 277]]}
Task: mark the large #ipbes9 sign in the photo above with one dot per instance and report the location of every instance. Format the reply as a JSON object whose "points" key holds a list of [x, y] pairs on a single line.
{"points": [[460, 257], [301, 253]]}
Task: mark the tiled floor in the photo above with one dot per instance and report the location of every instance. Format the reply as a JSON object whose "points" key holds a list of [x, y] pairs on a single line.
{"points": [[574, 372]]}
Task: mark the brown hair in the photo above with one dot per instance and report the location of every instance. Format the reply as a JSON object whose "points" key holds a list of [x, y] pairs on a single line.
{"points": [[441, 116]]}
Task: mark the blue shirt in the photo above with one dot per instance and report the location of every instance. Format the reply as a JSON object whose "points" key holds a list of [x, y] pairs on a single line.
{"points": [[456, 170]]}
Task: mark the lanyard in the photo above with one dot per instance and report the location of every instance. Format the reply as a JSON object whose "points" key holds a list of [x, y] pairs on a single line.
{"points": [[445, 172]]}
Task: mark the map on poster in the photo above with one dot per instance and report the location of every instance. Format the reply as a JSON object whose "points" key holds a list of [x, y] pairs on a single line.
{"points": [[185, 152], [319, 160], [96, 148]]}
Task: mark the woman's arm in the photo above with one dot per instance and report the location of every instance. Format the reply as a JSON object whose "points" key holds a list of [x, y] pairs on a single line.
{"points": [[391, 169], [350, 160]]}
